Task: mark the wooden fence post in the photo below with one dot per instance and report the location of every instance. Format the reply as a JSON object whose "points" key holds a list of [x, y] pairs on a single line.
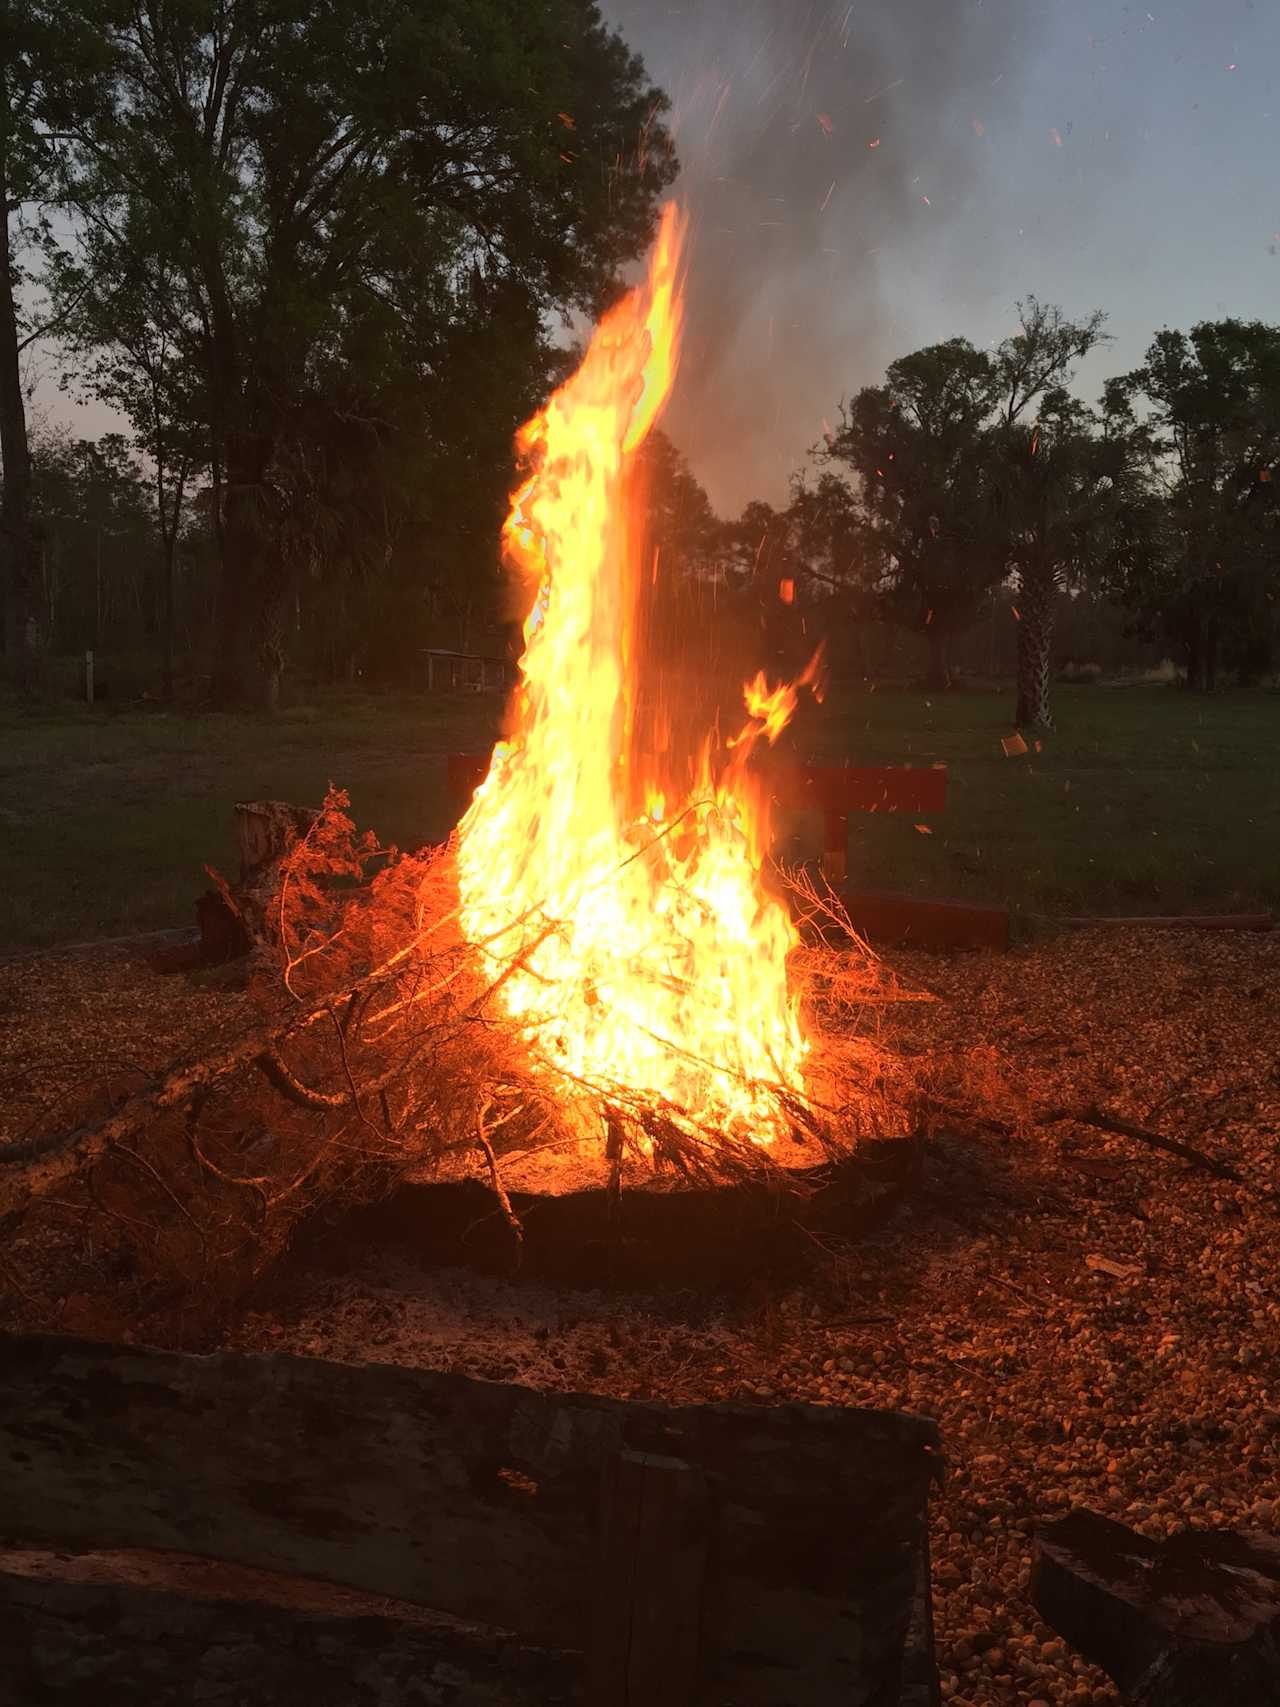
{"points": [[648, 1596]]}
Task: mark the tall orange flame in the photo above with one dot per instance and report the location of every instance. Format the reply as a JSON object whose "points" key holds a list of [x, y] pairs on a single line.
{"points": [[639, 948]]}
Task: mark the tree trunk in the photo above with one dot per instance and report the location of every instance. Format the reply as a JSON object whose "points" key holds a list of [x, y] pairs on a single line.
{"points": [[939, 676], [1202, 654], [166, 670], [1037, 606], [20, 571], [169, 525], [253, 589], [1195, 658]]}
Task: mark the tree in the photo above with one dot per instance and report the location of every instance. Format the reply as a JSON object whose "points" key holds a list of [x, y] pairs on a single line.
{"points": [[681, 531], [917, 446], [825, 588], [1058, 481], [1214, 402], [98, 541], [135, 365], [48, 74], [315, 178], [1075, 497]]}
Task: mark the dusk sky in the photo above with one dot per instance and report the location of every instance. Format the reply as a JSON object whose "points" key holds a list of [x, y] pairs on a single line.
{"points": [[865, 178], [868, 177]]}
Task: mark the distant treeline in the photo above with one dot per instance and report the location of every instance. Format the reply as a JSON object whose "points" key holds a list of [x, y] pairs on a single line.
{"points": [[317, 258]]}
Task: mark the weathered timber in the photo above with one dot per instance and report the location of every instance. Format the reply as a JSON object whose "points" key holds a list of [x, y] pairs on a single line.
{"points": [[157, 1631], [1180, 1623], [655, 1523], [883, 916], [1173, 921], [920, 1686], [479, 1500], [266, 830], [232, 920], [676, 1236]]}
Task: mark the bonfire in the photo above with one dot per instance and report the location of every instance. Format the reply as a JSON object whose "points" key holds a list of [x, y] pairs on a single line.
{"points": [[600, 963], [623, 905]]}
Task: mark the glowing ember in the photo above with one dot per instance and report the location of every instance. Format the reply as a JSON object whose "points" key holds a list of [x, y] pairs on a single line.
{"points": [[638, 946]]}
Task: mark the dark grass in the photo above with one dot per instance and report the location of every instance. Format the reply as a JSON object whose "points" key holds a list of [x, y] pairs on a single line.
{"points": [[1145, 800], [1148, 800], [107, 817]]}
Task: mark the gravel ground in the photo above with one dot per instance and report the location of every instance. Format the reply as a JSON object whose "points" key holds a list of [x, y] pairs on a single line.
{"points": [[1091, 1322]]}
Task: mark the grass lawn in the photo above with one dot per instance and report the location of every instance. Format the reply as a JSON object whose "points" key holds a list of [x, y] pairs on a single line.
{"points": [[1147, 800]]}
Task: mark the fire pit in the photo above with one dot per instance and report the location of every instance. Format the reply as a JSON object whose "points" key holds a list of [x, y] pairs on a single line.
{"points": [[592, 1035]]}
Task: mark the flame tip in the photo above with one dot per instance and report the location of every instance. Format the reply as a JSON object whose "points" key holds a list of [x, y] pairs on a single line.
{"points": [[667, 964]]}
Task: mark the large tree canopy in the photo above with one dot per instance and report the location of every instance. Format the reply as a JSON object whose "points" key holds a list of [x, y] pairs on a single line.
{"points": [[1213, 396], [973, 468], [336, 189], [915, 446]]}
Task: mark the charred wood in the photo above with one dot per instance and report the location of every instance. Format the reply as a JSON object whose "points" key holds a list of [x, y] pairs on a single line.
{"points": [[159, 1631], [483, 1501], [1178, 1623]]}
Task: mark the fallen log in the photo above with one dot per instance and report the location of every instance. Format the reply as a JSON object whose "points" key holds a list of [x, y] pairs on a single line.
{"points": [[920, 922], [1173, 921], [162, 1631], [483, 1502], [653, 1236], [1179, 1623]]}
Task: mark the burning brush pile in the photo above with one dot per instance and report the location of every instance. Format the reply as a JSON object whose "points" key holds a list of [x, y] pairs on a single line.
{"points": [[600, 963]]}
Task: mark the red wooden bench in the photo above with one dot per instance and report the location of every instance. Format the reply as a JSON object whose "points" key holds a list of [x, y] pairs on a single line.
{"points": [[836, 791]]}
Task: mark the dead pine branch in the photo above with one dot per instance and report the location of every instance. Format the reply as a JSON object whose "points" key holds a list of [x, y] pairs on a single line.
{"points": [[495, 1178], [372, 1044], [1104, 1122]]}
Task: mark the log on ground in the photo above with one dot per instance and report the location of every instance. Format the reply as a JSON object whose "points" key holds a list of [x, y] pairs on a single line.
{"points": [[676, 1235], [1180, 1623], [480, 1500], [158, 1631]]}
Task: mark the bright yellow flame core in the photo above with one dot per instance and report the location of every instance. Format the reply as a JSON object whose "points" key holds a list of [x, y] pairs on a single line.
{"points": [[640, 947]]}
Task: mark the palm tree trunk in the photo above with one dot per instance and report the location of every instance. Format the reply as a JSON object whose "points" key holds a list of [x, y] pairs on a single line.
{"points": [[1037, 607]]}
